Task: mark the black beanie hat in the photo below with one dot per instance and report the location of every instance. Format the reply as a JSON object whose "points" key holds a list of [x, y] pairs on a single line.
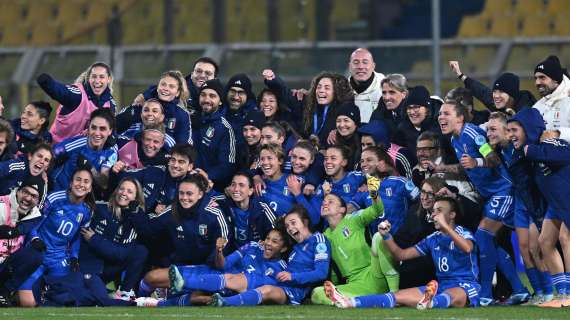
{"points": [[551, 67], [508, 83], [255, 118], [418, 96], [240, 80], [350, 110], [215, 85], [35, 182]]}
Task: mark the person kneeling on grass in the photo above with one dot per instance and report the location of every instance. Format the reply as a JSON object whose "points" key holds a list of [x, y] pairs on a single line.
{"points": [[452, 249], [253, 265], [308, 265]]}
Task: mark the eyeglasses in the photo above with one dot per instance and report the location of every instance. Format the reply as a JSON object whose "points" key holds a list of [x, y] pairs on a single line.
{"points": [[427, 194], [425, 149], [234, 92], [27, 193]]}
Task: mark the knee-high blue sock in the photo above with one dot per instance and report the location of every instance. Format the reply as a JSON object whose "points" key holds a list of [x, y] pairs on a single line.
{"points": [[441, 301], [487, 260], [247, 298], [546, 282], [179, 301], [533, 276], [206, 282], [387, 300], [559, 282], [145, 289], [507, 267]]}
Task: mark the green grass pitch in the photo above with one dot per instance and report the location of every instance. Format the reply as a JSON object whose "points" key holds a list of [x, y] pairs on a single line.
{"points": [[285, 312]]}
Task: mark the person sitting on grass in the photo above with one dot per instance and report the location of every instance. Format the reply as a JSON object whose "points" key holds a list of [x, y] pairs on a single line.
{"points": [[452, 249]]}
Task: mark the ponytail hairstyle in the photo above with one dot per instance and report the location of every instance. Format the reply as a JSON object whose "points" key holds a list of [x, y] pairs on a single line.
{"points": [[200, 182], [183, 93], [84, 76], [308, 146]]}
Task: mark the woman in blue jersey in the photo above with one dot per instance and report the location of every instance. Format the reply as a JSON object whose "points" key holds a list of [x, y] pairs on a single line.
{"points": [[95, 150], [65, 212], [253, 265], [110, 248], [276, 192], [190, 225], [452, 249], [308, 265], [92, 90]]}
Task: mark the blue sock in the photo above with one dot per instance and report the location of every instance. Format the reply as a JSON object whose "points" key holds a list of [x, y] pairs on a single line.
{"points": [[559, 282], [179, 301], [441, 301], [145, 289], [206, 282], [247, 298], [387, 300], [546, 282], [567, 282], [507, 268], [533, 276], [487, 260]]}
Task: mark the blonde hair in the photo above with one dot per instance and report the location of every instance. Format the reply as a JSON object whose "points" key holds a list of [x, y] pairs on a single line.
{"points": [[84, 76], [139, 197], [184, 94]]}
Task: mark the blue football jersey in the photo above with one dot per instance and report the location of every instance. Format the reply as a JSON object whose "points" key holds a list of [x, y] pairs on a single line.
{"points": [[277, 195], [487, 181], [309, 262], [451, 263], [249, 259], [346, 187]]}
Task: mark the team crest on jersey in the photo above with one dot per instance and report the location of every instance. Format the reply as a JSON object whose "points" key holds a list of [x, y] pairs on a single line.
{"points": [[480, 140], [269, 272], [101, 160], [321, 250], [210, 132], [285, 191], [171, 123], [59, 212], [346, 188], [346, 232], [203, 230], [79, 217], [389, 192]]}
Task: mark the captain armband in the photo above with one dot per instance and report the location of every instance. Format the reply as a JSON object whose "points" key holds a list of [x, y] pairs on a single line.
{"points": [[485, 149]]}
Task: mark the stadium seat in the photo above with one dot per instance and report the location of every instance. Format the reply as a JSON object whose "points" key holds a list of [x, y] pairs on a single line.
{"points": [[523, 58], [529, 7], [15, 35], [494, 7], [45, 34], [39, 12], [11, 12], [474, 26], [537, 25], [504, 25], [193, 22], [556, 7], [478, 58], [561, 27]]}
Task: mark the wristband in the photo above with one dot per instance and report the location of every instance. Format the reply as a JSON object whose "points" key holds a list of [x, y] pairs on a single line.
{"points": [[386, 236], [485, 150], [480, 162], [460, 76]]}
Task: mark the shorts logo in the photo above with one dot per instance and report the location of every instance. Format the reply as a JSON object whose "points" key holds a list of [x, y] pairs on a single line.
{"points": [[210, 132], [203, 230]]}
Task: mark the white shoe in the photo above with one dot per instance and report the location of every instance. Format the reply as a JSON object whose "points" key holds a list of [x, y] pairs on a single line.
{"points": [[125, 295], [147, 302], [176, 280], [336, 297]]}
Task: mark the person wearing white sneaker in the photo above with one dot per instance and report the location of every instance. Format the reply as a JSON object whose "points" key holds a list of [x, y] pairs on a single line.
{"points": [[452, 249]]}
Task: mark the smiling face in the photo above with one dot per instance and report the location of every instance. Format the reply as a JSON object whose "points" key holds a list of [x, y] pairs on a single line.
{"points": [[270, 164], [367, 141], [268, 135], [369, 162], [39, 161], [240, 189], [361, 65], [152, 114], [334, 163], [449, 120], [202, 72], [427, 196], [268, 104], [99, 80], [345, 126], [168, 89], [325, 91], [296, 227], [252, 135], [126, 193], [179, 165], [417, 114], [331, 206], [152, 142], [274, 245], [301, 160], [209, 100], [516, 134], [31, 120], [544, 84], [81, 184], [27, 198], [189, 194], [98, 132], [496, 132], [501, 99], [236, 97], [391, 96]]}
